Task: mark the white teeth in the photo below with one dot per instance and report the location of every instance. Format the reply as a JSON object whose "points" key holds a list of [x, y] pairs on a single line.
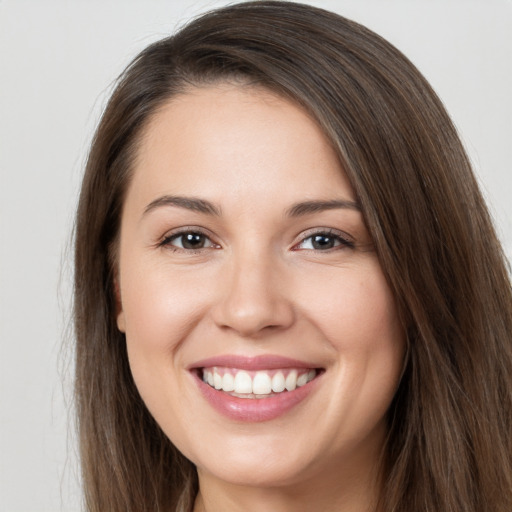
{"points": [[243, 382], [278, 382], [228, 382], [261, 384], [291, 381], [240, 383], [217, 379], [302, 379]]}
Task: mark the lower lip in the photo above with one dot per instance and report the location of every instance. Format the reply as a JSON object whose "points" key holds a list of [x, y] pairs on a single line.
{"points": [[254, 409]]}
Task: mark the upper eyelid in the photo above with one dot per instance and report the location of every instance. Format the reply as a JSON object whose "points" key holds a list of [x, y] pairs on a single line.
{"points": [[174, 233], [303, 235], [346, 240], [299, 238]]}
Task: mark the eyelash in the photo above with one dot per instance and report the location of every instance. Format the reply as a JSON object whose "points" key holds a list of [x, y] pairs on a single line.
{"points": [[340, 239], [167, 241]]}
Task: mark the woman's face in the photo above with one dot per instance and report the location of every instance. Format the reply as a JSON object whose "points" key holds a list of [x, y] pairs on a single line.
{"points": [[245, 262]]}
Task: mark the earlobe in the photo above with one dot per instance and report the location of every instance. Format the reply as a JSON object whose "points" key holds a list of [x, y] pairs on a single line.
{"points": [[120, 319], [120, 322]]}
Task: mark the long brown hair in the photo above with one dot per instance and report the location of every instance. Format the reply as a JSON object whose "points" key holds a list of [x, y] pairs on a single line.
{"points": [[450, 426]]}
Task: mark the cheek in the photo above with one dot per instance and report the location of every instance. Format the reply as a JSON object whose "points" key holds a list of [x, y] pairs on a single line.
{"points": [[159, 310], [354, 308], [357, 316], [159, 314]]}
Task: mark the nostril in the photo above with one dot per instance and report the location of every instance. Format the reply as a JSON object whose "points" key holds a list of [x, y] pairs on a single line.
{"points": [[251, 320]]}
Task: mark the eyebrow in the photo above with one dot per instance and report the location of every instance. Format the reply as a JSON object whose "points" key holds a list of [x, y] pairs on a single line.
{"points": [[189, 203], [309, 207], [208, 208]]}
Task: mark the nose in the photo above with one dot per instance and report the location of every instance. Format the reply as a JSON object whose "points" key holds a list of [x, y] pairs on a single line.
{"points": [[253, 299]]}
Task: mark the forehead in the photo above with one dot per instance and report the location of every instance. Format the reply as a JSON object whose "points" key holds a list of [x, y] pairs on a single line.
{"points": [[226, 140]]}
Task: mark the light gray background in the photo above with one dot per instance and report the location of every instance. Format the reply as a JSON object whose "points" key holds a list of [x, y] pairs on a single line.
{"points": [[57, 62]]}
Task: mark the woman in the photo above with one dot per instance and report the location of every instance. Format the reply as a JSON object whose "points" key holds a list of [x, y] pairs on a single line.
{"points": [[289, 294]]}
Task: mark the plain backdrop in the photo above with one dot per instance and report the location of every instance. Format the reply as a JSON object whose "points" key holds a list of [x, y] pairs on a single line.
{"points": [[58, 60]]}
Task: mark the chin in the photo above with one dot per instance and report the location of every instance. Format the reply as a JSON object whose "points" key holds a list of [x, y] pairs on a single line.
{"points": [[260, 473], [259, 461]]}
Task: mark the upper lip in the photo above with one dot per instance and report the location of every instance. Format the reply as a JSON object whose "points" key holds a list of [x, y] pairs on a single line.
{"points": [[261, 362]]}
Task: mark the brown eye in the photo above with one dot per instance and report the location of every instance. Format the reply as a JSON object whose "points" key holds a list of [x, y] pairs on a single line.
{"points": [[190, 240], [324, 242]]}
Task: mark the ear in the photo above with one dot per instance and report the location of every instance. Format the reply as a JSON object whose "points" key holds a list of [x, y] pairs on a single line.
{"points": [[120, 319]]}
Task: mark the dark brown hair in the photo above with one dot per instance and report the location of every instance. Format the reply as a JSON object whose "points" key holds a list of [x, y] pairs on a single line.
{"points": [[450, 425]]}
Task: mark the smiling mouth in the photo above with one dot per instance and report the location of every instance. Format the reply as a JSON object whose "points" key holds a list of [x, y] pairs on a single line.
{"points": [[257, 384]]}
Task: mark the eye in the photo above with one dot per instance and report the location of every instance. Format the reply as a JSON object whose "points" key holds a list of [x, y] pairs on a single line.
{"points": [[188, 241], [323, 241]]}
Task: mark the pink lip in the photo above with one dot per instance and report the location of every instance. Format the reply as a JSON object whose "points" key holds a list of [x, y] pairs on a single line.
{"points": [[265, 362], [246, 409]]}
